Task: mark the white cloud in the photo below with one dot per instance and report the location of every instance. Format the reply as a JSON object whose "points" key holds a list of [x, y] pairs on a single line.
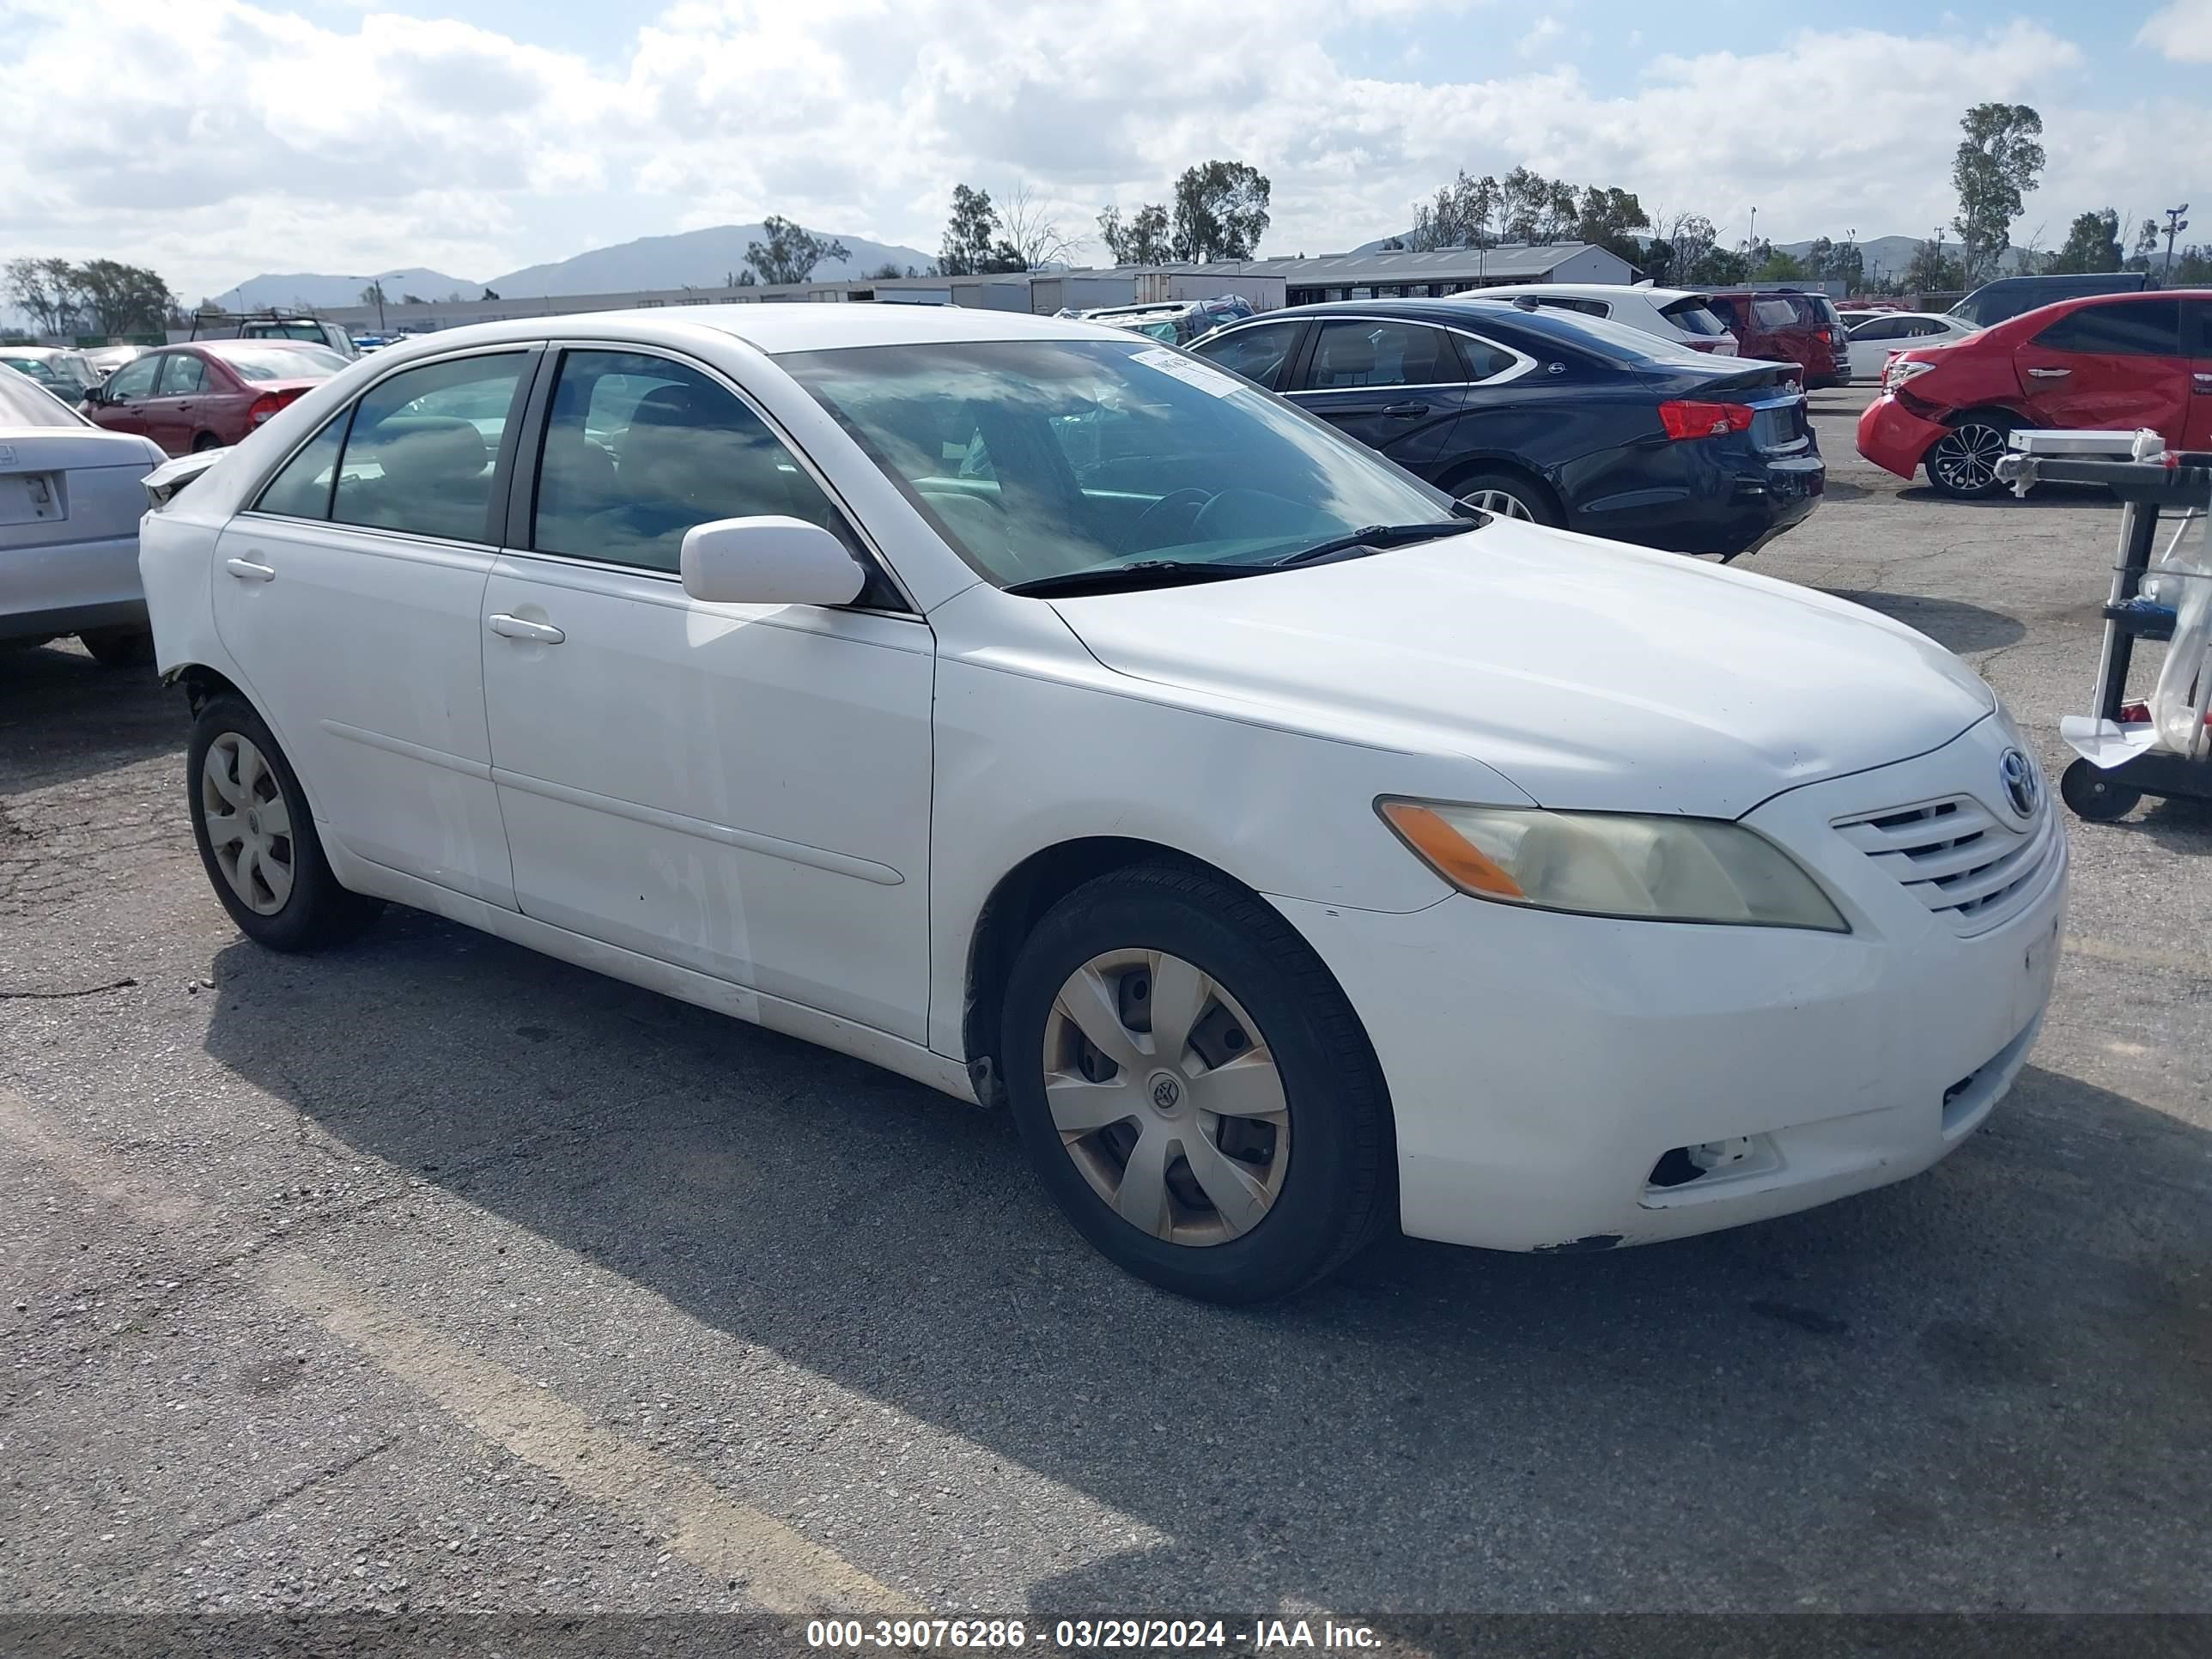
{"points": [[2182, 30], [1548, 30], [227, 138]]}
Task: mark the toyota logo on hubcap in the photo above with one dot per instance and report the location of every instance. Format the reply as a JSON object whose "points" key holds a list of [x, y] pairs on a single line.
{"points": [[2021, 785], [1165, 1094]]}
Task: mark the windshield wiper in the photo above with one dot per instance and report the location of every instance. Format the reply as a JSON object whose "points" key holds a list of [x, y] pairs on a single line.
{"points": [[1375, 535], [1144, 573]]}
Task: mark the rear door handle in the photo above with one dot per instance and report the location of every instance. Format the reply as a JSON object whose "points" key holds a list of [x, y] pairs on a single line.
{"points": [[516, 627], [2049, 374], [1405, 411], [2203, 381], [247, 571]]}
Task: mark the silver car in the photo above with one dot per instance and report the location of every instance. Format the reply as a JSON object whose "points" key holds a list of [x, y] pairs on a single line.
{"points": [[69, 504]]}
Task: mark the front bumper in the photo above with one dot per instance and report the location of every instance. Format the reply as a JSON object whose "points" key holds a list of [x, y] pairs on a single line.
{"points": [[1894, 438], [1541, 1066]]}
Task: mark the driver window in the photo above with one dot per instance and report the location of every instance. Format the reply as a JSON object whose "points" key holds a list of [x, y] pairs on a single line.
{"points": [[640, 448], [134, 380]]}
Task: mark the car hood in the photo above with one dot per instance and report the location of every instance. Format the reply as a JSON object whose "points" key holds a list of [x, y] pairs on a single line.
{"points": [[1591, 675]]}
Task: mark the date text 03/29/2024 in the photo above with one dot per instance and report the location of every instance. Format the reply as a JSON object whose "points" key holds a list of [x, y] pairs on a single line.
{"points": [[1088, 1635]]}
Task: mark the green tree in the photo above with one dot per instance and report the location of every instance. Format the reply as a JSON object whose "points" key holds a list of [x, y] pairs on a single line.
{"points": [[490, 293], [1776, 266], [1717, 267], [1142, 239], [373, 293], [2145, 248], [1524, 197], [1932, 269], [1605, 217], [47, 290], [1220, 211], [1997, 165], [1827, 261], [121, 299], [791, 252], [1461, 216], [974, 244], [886, 272], [2092, 243]]}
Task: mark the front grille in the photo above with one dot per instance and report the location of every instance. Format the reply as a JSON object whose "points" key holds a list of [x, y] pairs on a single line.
{"points": [[1957, 857]]}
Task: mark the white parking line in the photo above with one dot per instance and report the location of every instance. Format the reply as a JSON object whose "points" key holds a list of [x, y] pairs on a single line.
{"points": [[775, 1568]]}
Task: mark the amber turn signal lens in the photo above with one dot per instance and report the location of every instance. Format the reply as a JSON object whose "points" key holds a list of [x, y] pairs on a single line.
{"points": [[1450, 854]]}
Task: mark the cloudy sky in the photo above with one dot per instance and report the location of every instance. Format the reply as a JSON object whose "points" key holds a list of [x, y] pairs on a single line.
{"points": [[216, 139]]}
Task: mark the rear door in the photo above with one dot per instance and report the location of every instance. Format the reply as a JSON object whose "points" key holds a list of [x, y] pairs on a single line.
{"points": [[1397, 386], [2196, 326], [2110, 365]]}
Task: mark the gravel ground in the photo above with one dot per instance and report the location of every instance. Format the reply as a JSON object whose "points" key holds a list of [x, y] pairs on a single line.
{"points": [[431, 1274]]}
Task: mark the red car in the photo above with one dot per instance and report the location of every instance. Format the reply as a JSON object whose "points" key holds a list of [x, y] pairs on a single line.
{"points": [[1786, 326], [2106, 363], [207, 394]]}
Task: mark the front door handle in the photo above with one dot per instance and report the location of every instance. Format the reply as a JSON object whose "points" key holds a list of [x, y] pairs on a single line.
{"points": [[517, 628], [247, 571], [1405, 411], [2049, 374]]}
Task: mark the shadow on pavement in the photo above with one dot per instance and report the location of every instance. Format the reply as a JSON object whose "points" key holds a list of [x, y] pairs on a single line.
{"points": [[64, 717], [1973, 1388], [1952, 623]]}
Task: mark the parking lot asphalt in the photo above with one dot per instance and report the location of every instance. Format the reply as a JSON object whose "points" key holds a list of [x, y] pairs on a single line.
{"points": [[433, 1275]]}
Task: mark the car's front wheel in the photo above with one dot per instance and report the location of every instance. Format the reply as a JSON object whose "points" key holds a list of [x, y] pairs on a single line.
{"points": [[1962, 464], [257, 836], [1193, 1088]]}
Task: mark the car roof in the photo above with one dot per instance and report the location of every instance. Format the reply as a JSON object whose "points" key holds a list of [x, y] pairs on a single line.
{"points": [[39, 351], [1588, 291], [1476, 311]]}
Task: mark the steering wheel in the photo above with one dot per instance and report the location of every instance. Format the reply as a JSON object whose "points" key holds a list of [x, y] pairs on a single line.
{"points": [[1189, 503]]}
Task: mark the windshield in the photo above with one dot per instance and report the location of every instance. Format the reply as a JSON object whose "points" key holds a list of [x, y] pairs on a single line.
{"points": [[1039, 458], [283, 362], [24, 402]]}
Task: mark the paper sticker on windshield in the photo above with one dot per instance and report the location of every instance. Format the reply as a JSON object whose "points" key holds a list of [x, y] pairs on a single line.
{"points": [[1190, 371]]}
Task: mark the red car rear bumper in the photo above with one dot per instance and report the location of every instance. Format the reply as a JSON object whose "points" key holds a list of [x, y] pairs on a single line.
{"points": [[1894, 439]]}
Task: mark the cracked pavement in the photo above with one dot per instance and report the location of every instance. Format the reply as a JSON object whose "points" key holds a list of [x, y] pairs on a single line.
{"points": [[431, 1274]]}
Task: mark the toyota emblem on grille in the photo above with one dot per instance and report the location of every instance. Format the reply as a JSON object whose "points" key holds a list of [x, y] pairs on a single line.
{"points": [[2021, 786]]}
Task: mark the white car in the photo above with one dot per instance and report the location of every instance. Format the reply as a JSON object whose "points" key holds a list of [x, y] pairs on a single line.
{"points": [[1672, 313], [1874, 339], [69, 504], [1054, 718]]}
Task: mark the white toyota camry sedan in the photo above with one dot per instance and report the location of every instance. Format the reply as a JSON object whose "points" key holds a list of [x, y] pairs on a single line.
{"points": [[1044, 714]]}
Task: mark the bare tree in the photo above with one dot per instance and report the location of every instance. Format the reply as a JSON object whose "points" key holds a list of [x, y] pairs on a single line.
{"points": [[1026, 224]]}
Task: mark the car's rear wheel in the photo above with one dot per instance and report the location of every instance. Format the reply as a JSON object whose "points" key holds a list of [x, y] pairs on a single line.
{"points": [[1193, 1088], [257, 836], [119, 647], [1508, 496], [1962, 464], [205, 442]]}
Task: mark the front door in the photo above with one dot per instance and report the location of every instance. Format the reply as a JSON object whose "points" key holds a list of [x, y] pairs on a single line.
{"points": [[1396, 387], [173, 416], [741, 790], [351, 596], [2196, 331], [2111, 366], [128, 394]]}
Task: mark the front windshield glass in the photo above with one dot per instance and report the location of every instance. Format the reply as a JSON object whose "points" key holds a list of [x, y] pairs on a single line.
{"points": [[1042, 457], [24, 402]]}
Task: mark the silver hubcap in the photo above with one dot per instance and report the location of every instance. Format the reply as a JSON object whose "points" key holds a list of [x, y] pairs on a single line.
{"points": [[1966, 457], [248, 825], [1166, 1096], [1500, 502]]}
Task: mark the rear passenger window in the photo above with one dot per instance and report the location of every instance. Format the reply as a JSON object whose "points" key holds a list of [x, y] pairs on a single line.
{"points": [[1381, 352], [1774, 313], [1587, 307], [639, 448], [2138, 328], [302, 489], [184, 375], [1485, 361], [420, 455]]}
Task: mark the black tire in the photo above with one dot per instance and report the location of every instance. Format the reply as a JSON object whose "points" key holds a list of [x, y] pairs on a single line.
{"points": [[119, 647], [1534, 500], [317, 913], [205, 442], [1337, 1187], [1961, 463], [2091, 793]]}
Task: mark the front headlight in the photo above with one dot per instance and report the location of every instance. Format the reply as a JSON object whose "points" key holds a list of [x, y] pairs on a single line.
{"points": [[1899, 371], [1614, 864]]}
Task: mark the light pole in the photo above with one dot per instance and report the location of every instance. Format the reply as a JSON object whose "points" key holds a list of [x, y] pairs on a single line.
{"points": [[2175, 224]]}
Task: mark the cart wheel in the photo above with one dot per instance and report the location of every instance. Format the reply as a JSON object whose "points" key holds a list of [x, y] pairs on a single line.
{"points": [[2091, 793]]}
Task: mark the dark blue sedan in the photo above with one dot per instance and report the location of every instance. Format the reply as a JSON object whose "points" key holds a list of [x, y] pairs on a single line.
{"points": [[1545, 415]]}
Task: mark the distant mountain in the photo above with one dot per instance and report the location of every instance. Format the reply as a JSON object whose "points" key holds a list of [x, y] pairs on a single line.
{"points": [[320, 291], [696, 259]]}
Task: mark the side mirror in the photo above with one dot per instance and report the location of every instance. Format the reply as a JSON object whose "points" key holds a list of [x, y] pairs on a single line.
{"points": [[92, 395], [768, 561]]}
